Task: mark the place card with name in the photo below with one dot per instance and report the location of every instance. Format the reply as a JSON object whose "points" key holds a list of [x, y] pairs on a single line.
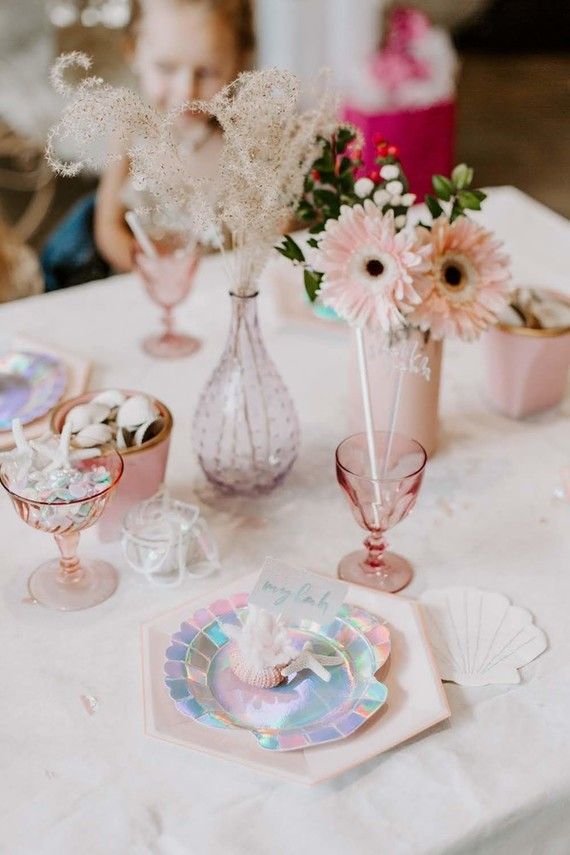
{"points": [[297, 594]]}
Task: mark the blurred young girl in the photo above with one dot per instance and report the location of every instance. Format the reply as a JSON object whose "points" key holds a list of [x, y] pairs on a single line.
{"points": [[180, 50]]}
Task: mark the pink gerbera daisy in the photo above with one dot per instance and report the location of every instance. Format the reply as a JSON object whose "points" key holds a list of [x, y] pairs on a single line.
{"points": [[369, 268], [468, 282]]}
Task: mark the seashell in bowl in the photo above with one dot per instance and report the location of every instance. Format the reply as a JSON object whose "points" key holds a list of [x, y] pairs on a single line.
{"points": [[478, 637], [87, 414], [135, 411], [110, 397], [92, 435], [148, 430]]}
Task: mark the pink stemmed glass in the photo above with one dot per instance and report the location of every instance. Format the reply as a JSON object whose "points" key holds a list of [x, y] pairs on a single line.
{"points": [[378, 504], [68, 583], [168, 278]]}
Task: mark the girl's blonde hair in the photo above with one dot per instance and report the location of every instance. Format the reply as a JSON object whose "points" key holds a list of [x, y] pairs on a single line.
{"points": [[236, 14]]}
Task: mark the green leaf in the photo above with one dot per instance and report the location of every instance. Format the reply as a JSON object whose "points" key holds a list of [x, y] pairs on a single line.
{"points": [[443, 187], [306, 211], [325, 162], [344, 136], [312, 283], [434, 207], [347, 182], [456, 211], [290, 249], [326, 197], [313, 242], [479, 194], [467, 199], [462, 176]]}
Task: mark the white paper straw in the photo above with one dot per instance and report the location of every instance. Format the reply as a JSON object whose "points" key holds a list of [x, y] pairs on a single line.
{"points": [[141, 236], [366, 403], [395, 406]]}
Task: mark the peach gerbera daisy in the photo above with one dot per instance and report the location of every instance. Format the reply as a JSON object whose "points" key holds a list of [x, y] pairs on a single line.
{"points": [[369, 268], [468, 282]]}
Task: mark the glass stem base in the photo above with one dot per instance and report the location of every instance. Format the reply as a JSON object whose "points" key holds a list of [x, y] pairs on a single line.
{"points": [[91, 584], [171, 345], [391, 574]]}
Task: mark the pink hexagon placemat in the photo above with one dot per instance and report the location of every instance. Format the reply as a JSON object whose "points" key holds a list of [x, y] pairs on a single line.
{"points": [[416, 698]]}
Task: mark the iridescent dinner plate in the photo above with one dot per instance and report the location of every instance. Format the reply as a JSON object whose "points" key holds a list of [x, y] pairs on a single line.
{"points": [[30, 385], [300, 713]]}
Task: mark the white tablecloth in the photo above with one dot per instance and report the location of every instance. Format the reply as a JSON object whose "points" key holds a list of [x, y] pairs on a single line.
{"points": [[78, 773]]}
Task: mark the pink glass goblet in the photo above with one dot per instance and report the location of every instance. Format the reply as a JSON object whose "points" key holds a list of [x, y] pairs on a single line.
{"points": [[168, 278], [68, 583], [379, 503]]}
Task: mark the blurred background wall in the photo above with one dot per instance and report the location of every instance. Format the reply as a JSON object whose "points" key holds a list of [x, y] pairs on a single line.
{"points": [[513, 87]]}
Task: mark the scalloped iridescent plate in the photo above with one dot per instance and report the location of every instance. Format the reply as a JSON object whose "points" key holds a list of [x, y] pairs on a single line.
{"points": [[30, 385], [302, 712]]}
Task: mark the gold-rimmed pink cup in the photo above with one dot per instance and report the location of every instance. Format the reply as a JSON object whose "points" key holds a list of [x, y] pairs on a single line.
{"points": [[526, 368], [144, 470]]}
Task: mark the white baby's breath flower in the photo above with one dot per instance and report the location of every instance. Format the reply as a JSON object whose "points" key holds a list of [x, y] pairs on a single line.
{"points": [[381, 197], [408, 199], [395, 200], [389, 171], [363, 187], [400, 221], [394, 188]]}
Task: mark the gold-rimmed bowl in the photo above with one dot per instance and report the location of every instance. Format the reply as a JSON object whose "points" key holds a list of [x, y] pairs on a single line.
{"points": [[527, 368], [145, 464]]}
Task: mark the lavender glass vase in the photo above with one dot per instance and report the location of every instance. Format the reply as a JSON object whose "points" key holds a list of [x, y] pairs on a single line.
{"points": [[246, 432]]}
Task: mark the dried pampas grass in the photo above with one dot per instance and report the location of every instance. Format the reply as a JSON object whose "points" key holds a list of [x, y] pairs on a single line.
{"points": [[269, 145]]}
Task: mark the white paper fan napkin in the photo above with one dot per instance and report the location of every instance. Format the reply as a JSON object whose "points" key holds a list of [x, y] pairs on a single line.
{"points": [[478, 637]]}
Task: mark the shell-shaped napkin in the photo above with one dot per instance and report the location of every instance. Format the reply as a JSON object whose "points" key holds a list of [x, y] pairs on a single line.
{"points": [[478, 637]]}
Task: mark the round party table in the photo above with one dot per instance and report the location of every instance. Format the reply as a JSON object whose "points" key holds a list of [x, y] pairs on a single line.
{"points": [[78, 773]]}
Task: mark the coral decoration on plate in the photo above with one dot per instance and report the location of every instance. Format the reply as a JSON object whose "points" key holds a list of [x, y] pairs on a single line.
{"points": [[263, 655]]}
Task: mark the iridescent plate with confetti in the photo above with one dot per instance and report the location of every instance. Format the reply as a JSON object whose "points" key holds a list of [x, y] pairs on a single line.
{"points": [[30, 385], [300, 713]]}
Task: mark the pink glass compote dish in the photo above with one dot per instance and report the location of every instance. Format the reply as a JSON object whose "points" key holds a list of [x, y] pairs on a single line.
{"points": [[68, 583], [168, 277], [378, 504]]}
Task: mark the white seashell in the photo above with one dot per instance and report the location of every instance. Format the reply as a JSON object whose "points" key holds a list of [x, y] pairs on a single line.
{"points": [[136, 411], [86, 414], [511, 317], [147, 431], [109, 397], [552, 313], [91, 435], [120, 440], [478, 637]]}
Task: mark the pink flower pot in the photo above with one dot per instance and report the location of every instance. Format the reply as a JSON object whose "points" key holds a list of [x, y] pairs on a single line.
{"points": [[144, 467], [424, 135], [527, 369], [419, 398]]}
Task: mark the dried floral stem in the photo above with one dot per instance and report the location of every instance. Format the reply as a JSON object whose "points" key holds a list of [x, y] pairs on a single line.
{"points": [[268, 148]]}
